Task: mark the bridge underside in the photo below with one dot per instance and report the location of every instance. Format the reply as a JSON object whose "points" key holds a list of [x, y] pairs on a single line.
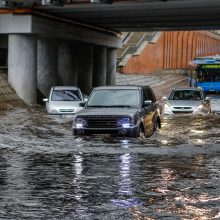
{"points": [[75, 44], [45, 52], [142, 15]]}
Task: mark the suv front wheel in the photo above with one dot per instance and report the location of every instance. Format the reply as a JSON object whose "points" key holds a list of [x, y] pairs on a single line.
{"points": [[139, 132]]}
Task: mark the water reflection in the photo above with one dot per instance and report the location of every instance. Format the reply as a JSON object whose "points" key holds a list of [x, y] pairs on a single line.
{"points": [[125, 194], [125, 182], [80, 209]]}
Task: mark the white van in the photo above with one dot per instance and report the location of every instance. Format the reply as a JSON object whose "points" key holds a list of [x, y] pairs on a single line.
{"points": [[64, 100]]}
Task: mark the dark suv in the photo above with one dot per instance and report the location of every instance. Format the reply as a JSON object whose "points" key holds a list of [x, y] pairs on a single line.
{"points": [[119, 110]]}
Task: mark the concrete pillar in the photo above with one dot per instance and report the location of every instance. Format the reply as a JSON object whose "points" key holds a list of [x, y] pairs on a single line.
{"points": [[99, 66], [67, 65], [22, 59], [85, 67], [46, 65], [111, 67]]}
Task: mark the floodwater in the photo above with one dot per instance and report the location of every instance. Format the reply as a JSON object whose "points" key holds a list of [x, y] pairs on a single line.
{"points": [[47, 173]]}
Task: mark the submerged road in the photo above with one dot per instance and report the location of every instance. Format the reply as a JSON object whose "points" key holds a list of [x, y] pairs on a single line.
{"points": [[47, 173]]}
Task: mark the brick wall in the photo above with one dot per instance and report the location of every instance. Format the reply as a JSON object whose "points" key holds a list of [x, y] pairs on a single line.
{"points": [[173, 52]]}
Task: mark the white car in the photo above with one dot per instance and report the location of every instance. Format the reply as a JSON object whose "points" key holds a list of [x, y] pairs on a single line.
{"points": [[186, 100], [64, 100]]}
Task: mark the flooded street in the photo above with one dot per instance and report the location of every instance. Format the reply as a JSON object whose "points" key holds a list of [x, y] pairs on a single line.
{"points": [[47, 173]]}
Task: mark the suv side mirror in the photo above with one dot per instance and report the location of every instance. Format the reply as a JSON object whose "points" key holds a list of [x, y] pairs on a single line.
{"points": [[82, 104], [207, 99], [147, 102]]}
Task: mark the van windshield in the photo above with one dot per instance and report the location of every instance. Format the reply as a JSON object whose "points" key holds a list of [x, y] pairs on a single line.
{"points": [[114, 98], [66, 95]]}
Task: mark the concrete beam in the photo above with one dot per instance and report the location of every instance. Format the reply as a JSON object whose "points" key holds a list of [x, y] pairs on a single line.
{"points": [[15, 24], [69, 31], [46, 27]]}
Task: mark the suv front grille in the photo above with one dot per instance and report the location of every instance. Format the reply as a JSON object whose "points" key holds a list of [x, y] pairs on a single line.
{"points": [[102, 122], [182, 108], [182, 111]]}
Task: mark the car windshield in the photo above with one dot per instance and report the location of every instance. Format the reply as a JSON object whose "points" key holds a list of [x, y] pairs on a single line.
{"points": [[66, 95], [114, 98], [185, 95]]}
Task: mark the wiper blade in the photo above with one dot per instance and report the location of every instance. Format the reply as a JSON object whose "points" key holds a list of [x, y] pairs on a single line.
{"points": [[121, 106]]}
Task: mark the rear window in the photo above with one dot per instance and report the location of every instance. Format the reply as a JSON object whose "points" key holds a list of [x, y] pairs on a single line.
{"points": [[66, 95]]}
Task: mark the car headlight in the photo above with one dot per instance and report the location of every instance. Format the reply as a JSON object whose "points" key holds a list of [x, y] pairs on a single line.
{"points": [[79, 123], [199, 107], [52, 110], [167, 106], [77, 109], [124, 122]]}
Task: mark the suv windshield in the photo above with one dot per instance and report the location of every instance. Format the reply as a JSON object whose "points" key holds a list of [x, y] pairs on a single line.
{"points": [[114, 98], [185, 95], [66, 95]]}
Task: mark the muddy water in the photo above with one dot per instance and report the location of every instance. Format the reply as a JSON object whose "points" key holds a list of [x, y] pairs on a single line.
{"points": [[46, 173]]}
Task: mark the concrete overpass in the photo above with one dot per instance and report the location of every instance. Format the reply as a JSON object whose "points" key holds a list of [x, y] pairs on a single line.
{"points": [[44, 51], [141, 15]]}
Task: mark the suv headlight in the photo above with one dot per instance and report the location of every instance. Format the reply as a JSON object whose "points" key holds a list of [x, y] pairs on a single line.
{"points": [[79, 123], [199, 107], [124, 122]]}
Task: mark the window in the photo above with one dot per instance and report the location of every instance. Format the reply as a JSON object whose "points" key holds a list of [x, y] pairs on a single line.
{"points": [[65, 95], [148, 94], [185, 95], [114, 97]]}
